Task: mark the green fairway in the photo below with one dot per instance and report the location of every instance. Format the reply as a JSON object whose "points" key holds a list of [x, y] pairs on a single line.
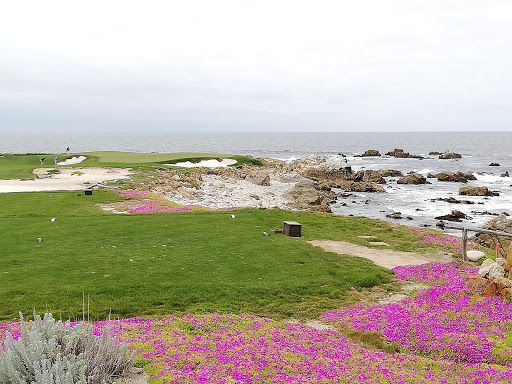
{"points": [[21, 166], [171, 263]]}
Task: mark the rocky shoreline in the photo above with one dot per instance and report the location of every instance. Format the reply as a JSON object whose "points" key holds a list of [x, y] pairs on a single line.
{"points": [[312, 183]]}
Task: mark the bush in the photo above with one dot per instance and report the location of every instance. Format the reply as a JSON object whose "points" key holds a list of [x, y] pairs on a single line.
{"points": [[53, 352]]}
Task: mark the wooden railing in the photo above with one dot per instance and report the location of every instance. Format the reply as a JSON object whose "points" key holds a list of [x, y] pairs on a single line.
{"points": [[465, 231]]}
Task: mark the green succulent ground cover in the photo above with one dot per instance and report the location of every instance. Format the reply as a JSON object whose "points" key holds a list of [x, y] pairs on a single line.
{"points": [[161, 264], [21, 166]]}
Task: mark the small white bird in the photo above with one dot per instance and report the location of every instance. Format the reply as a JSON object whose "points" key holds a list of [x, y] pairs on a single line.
{"points": [[51, 195], [232, 216], [39, 239], [265, 234], [53, 219]]}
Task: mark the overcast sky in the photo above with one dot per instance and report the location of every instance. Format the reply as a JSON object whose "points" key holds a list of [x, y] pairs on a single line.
{"points": [[258, 65]]}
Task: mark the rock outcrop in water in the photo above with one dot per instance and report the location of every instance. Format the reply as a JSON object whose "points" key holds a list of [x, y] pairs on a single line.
{"points": [[477, 191], [450, 155], [413, 178], [459, 177], [455, 215], [371, 153], [403, 155]]}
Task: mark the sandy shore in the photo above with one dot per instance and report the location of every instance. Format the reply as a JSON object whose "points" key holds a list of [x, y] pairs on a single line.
{"points": [[68, 179]]}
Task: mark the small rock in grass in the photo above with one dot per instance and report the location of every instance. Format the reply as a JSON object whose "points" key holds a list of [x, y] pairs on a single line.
{"points": [[39, 239], [475, 255], [484, 269], [496, 271], [52, 219]]}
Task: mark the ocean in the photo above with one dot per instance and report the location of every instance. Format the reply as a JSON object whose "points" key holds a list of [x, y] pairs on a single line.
{"points": [[478, 150]]}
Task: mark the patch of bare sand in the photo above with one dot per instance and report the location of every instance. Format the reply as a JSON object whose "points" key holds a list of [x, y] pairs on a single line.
{"points": [[67, 179], [386, 258]]}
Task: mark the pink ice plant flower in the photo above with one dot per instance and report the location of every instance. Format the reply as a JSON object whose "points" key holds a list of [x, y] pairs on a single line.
{"points": [[448, 321], [228, 349]]}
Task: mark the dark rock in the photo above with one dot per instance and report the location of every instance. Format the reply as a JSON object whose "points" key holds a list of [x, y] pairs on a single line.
{"points": [[371, 152], [375, 176], [477, 191], [401, 154], [434, 153], [450, 155], [440, 224], [413, 178], [431, 176], [485, 213], [323, 187], [452, 200], [494, 165], [453, 216], [409, 218], [395, 215], [354, 186], [455, 176], [505, 174]]}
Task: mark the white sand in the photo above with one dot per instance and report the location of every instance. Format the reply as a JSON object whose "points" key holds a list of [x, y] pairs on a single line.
{"points": [[63, 181], [212, 163], [73, 160]]}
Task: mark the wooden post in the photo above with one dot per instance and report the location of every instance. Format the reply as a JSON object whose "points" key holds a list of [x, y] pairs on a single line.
{"points": [[464, 244]]}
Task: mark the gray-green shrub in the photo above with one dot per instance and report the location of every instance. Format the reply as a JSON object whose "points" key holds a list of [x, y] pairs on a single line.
{"points": [[51, 352]]}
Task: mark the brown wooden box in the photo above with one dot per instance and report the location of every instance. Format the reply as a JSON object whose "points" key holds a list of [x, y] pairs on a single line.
{"points": [[292, 228]]}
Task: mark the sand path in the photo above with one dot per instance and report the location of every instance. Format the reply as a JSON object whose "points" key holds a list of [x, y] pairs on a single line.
{"points": [[386, 258]]}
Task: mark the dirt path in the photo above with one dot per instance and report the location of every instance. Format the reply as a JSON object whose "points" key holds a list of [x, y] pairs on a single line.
{"points": [[386, 258], [136, 376]]}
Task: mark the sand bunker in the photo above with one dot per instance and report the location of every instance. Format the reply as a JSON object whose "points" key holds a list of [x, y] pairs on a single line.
{"points": [[68, 179], [212, 163], [73, 160], [386, 258]]}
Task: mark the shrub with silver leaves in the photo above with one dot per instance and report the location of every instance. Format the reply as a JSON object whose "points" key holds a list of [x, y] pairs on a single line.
{"points": [[53, 352]]}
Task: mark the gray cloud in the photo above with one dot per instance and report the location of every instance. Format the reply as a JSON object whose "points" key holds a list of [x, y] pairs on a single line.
{"points": [[327, 65]]}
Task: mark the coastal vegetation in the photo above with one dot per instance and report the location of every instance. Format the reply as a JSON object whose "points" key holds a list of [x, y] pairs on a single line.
{"points": [[212, 295]]}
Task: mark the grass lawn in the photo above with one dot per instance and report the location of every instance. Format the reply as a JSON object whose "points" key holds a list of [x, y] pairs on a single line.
{"points": [[21, 166], [161, 264]]}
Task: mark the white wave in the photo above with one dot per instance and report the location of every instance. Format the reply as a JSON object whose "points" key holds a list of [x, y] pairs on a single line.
{"points": [[287, 160], [486, 178], [424, 171]]}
